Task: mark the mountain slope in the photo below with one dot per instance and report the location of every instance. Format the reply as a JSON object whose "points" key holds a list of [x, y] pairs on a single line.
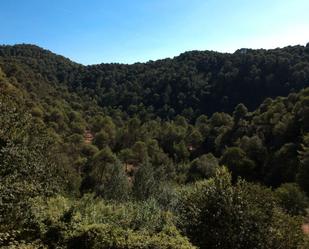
{"points": [[191, 84]]}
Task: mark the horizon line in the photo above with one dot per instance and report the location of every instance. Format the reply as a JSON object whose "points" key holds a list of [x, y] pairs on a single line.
{"points": [[150, 60]]}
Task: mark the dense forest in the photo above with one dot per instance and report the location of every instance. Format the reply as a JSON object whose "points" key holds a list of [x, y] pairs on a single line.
{"points": [[204, 150]]}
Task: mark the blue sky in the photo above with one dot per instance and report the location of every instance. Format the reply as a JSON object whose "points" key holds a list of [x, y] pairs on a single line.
{"points": [[127, 31]]}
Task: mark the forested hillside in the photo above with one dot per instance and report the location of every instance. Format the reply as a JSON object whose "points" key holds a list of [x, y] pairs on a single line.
{"points": [[205, 150], [191, 84]]}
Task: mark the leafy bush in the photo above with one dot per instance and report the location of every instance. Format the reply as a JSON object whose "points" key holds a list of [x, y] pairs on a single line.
{"points": [[217, 214], [107, 237], [292, 199], [61, 221]]}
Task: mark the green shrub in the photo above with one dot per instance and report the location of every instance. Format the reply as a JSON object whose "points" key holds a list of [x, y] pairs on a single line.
{"points": [[292, 199], [59, 221], [111, 237], [218, 214]]}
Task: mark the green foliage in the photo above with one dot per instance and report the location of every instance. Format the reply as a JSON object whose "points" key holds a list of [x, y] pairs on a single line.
{"points": [[101, 139], [181, 151], [302, 177], [144, 185], [191, 84], [203, 167], [105, 237], [93, 223], [135, 132], [240, 112], [292, 199], [108, 176], [237, 161], [25, 168], [140, 153], [117, 186], [217, 214], [89, 150]]}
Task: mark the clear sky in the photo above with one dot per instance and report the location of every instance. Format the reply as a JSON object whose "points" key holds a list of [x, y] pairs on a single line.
{"points": [[96, 31]]}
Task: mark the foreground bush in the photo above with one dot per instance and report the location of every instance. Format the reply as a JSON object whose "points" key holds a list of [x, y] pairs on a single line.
{"points": [[94, 223], [107, 237], [217, 214]]}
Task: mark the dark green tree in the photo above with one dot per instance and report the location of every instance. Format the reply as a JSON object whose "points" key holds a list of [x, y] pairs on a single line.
{"points": [[144, 185], [238, 162], [203, 167], [303, 173]]}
